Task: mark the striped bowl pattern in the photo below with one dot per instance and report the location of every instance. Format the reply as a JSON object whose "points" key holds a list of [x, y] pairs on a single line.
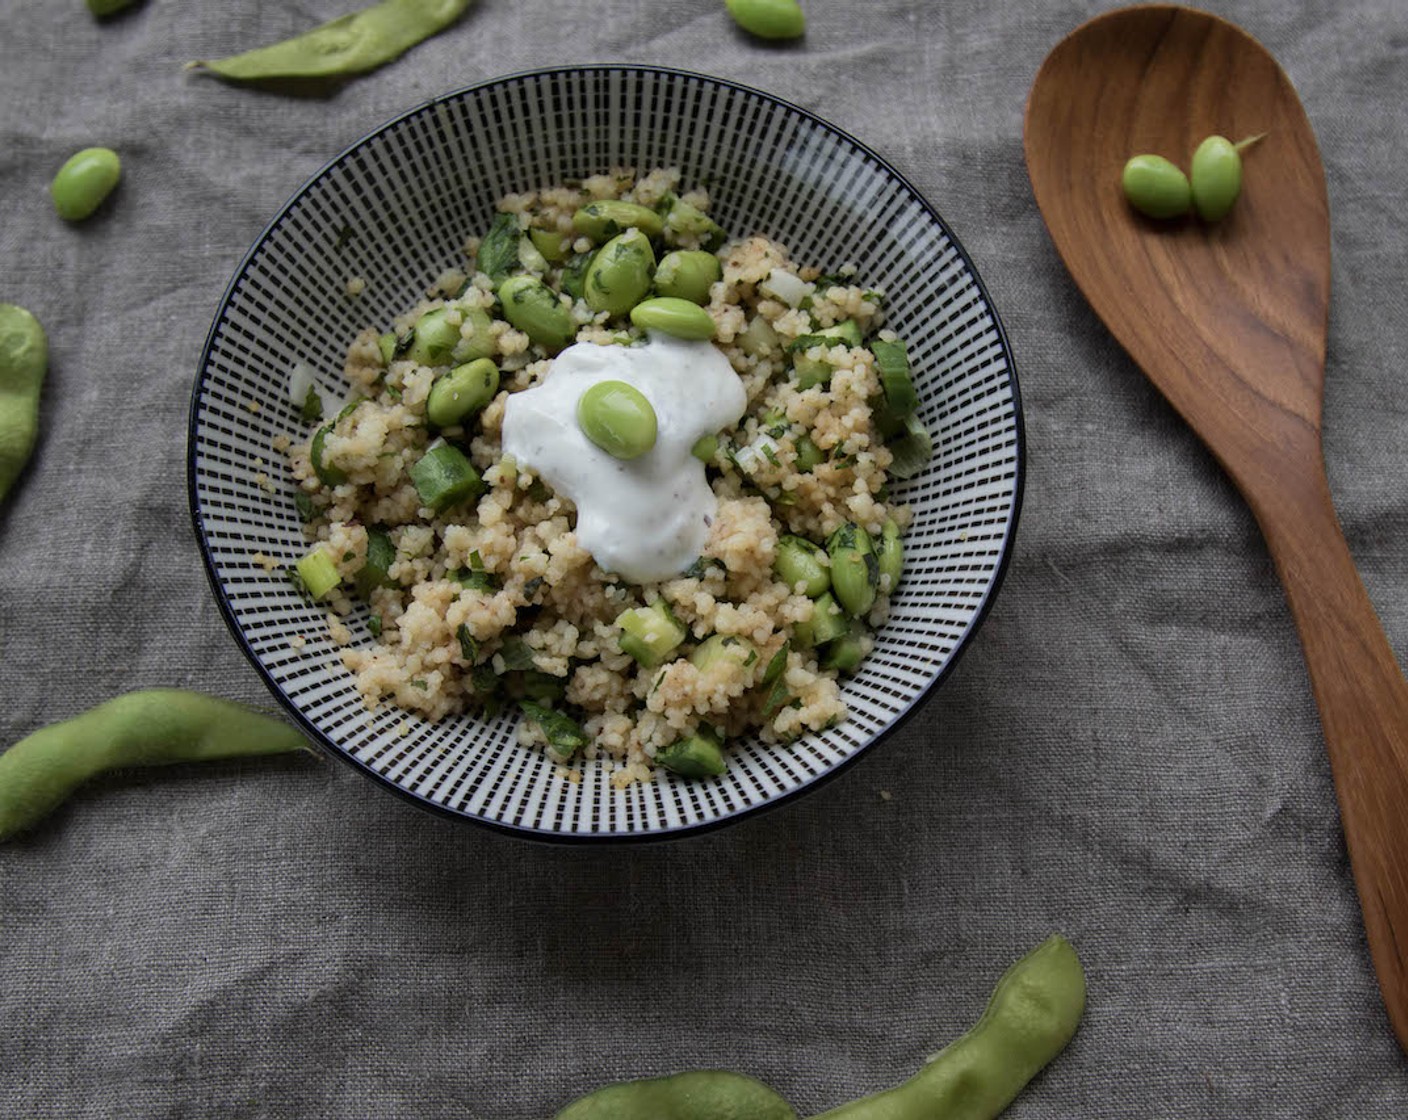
{"points": [[395, 209]]}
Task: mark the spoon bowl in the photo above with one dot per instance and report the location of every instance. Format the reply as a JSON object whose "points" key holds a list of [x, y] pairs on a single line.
{"points": [[1229, 321]]}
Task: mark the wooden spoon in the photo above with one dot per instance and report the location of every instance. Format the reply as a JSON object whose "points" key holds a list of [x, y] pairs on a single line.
{"points": [[1229, 322]]}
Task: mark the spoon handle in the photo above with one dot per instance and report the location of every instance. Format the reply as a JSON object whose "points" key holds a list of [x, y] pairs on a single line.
{"points": [[1363, 701]]}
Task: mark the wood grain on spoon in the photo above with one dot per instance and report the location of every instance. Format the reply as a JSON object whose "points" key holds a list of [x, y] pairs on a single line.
{"points": [[1229, 321]]}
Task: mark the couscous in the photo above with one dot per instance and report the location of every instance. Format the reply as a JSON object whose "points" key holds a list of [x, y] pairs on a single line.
{"points": [[480, 589]]}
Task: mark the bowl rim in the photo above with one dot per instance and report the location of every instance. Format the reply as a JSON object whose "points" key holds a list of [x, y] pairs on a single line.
{"points": [[549, 836]]}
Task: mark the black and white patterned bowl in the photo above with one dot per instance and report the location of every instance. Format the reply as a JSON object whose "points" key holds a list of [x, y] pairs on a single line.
{"points": [[395, 209]]}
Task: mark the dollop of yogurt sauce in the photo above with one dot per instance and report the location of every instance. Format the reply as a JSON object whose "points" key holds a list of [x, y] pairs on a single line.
{"points": [[647, 518]]}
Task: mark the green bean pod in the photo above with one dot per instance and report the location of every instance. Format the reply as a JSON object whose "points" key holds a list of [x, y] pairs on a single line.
{"points": [[533, 307], [619, 274], [24, 360], [1032, 1014], [148, 728], [351, 44], [696, 1095]]}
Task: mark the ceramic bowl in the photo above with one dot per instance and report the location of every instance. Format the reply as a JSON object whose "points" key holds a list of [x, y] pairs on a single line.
{"points": [[395, 209]]}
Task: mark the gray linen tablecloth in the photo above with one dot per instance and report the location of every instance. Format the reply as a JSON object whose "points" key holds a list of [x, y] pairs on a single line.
{"points": [[1128, 753]]}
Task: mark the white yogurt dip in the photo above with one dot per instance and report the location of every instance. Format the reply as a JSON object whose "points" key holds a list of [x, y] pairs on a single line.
{"points": [[648, 518]]}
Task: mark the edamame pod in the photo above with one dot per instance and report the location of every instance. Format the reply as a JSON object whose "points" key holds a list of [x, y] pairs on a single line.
{"points": [[688, 274], [103, 8], [1032, 1014], [148, 728], [351, 44], [676, 317], [24, 360], [855, 571], [769, 19], [84, 181], [533, 307], [461, 393], [696, 1095], [619, 274], [606, 218]]}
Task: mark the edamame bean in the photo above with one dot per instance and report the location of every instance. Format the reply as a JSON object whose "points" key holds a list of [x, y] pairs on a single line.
{"points": [[84, 181], [798, 561], [769, 19], [673, 316], [855, 571], [1033, 1012], [688, 274], [689, 227], [606, 218], [618, 419], [554, 247], [434, 339], [1216, 177], [462, 392], [351, 44], [696, 1095], [147, 728], [1155, 187], [889, 556], [533, 307], [619, 274], [24, 360]]}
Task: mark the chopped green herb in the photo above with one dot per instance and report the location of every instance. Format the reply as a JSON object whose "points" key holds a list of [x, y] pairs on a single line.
{"points": [[469, 648], [311, 410], [374, 626], [498, 251], [564, 734], [303, 503], [517, 654]]}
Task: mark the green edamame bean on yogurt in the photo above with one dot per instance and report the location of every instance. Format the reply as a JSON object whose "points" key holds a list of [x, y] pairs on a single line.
{"points": [[84, 182], [618, 419]]}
